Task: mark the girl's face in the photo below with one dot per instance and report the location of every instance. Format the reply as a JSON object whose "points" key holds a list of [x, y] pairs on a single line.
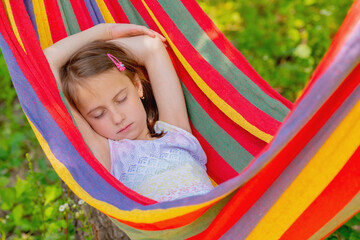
{"points": [[110, 103]]}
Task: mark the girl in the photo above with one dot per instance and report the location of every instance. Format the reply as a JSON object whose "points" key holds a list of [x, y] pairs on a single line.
{"points": [[139, 132]]}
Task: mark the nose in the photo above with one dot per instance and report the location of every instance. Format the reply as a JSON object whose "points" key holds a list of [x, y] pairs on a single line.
{"points": [[117, 116]]}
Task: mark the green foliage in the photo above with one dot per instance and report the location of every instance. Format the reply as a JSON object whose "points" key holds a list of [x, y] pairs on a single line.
{"points": [[350, 230], [31, 198], [38, 208], [28, 205], [283, 40]]}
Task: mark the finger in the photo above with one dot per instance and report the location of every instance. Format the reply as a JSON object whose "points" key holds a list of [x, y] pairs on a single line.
{"points": [[153, 33], [134, 30], [162, 38], [127, 30], [144, 30]]}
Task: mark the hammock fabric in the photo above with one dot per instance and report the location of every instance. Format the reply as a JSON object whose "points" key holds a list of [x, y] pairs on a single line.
{"points": [[297, 178]]}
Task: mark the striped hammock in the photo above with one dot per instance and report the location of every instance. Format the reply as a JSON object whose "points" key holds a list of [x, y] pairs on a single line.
{"points": [[283, 171]]}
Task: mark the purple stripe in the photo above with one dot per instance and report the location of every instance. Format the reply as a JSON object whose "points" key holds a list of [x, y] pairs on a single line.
{"points": [[94, 12], [30, 10], [248, 222]]}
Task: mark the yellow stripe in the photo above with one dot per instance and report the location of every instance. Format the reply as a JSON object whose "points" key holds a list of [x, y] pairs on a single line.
{"points": [[314, 178], [339, 219], [213, 182], [136, 216], [42, 24], [105, 12], [220, 103], [12, 23]]}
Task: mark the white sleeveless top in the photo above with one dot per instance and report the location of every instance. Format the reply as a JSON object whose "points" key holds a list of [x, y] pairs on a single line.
{"points": [[162, 169]]}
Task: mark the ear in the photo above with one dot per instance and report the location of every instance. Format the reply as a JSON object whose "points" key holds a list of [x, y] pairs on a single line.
{"points": [[138, 85]]}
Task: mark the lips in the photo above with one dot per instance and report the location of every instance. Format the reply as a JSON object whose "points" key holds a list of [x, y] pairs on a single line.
{"points": [[125, 129]]}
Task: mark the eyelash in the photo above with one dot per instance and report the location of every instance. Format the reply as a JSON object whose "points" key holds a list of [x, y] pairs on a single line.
{"points": [[102, 113], [99, 116], [122, 100]]}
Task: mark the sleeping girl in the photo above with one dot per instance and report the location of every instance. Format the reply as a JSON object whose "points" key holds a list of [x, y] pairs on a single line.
{"points": [[128, 104]]}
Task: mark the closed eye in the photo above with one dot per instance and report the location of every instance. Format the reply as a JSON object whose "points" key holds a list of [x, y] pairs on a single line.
{"points": [[99, 115], [122, 99]]}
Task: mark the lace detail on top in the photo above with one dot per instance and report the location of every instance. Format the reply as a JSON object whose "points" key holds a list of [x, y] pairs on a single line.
{"points": [[163, 169]]}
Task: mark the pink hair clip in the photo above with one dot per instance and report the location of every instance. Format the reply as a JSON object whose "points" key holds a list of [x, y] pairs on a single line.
{"points": [[117, 63]]}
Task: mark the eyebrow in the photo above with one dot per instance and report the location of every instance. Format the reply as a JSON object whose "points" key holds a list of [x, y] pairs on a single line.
{"points": [[116, 95]]}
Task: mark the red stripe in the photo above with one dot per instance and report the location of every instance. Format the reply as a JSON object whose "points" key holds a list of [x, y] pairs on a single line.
{"points": [[214, 80], [140, 8], [344, 187], [82, 15], [44, 84], [217, 168], [116, 11], [230, 51], [345, 30], [248, 141], [239, 205], [34, 54], [57, 27]]}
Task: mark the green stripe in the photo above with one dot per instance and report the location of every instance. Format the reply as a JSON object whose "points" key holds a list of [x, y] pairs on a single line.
{"points": [[68, 17], [196, 227], [209, 51], [230, 150], [131, 13]]}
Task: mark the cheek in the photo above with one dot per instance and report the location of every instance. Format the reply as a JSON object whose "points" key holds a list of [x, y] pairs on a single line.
{"points": [[135, 105], [141, 110], [99, 126]]}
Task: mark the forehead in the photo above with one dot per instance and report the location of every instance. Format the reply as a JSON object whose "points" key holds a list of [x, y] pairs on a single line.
{"points": [[102, 86], [110, 79]]}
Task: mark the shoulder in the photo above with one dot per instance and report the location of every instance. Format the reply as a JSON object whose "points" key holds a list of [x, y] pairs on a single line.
{"points": [[177, 132]]}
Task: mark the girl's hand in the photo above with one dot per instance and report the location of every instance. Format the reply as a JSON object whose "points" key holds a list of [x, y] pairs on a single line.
{"points": [[143, 48], [130, 30]]}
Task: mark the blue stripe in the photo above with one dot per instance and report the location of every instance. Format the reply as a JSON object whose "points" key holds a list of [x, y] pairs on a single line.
{"points": [[94, 12]]}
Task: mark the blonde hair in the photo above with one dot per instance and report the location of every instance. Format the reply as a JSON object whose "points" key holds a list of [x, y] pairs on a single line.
{"points": [[92, 60]]}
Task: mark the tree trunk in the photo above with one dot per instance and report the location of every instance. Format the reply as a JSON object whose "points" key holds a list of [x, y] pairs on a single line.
{"points": [[102, 228]]}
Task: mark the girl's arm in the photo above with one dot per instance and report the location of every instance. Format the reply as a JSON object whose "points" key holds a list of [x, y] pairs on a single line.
{"points": [[58, 54], [164, 81]]}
